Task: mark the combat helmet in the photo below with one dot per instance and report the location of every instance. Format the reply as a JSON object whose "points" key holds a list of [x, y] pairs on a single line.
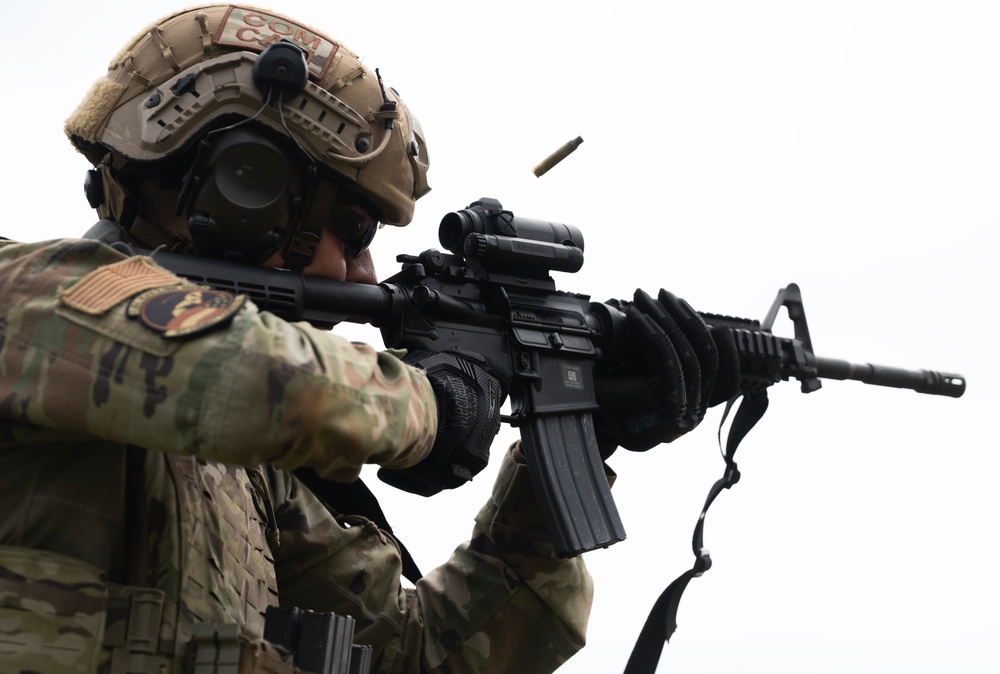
{"points": [[218, 67]]}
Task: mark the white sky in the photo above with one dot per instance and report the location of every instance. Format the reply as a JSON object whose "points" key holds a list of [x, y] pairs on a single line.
{"points": [[729, 148]]}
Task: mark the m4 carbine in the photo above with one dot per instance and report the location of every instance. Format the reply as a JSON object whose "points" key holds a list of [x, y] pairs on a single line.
{"points": [[493, 295]]}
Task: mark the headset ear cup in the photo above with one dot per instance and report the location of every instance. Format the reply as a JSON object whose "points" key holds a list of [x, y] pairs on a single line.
{"points": [[240, 195], [93, 188]]}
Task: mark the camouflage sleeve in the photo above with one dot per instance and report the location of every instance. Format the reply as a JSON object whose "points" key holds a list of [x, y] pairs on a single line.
{"points": [[503, 602], [247, 389]]}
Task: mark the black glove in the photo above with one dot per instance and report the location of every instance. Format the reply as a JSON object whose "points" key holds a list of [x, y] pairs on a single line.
{"points": [[674, 369], [469, 395]]}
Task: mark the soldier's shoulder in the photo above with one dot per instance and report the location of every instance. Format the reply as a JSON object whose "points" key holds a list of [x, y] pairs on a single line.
{"points": [[43, 268], [63, 252]]}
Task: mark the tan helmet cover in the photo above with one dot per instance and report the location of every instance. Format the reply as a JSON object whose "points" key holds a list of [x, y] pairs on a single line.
{"points": [[188, 70]]}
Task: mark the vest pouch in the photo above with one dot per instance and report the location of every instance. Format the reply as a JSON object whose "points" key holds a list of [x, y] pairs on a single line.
{"points": [[227, 649], [52, 612]]}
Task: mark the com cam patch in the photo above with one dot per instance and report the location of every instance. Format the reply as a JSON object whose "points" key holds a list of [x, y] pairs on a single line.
{"points": [[248, 28], [186, 312]]}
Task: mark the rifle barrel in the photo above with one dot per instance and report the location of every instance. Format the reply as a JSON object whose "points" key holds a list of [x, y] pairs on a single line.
{"points": [[921, 381]]}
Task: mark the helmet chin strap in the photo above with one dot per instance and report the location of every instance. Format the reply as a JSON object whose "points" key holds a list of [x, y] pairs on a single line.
{"points": [[304, 235]]}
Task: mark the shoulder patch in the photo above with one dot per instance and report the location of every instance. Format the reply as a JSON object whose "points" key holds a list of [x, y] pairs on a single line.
{"points": [[249, 28], [105, 287], [185, 312]]}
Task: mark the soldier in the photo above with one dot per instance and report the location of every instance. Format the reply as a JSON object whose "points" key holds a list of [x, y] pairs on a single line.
{"points": [[149, 428]]}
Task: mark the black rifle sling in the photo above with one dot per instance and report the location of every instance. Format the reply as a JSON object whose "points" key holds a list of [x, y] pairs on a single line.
{"points": [[662, 620], [136, 519], [355, 498]]}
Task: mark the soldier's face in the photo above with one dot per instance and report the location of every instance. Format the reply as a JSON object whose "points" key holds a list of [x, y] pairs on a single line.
{"points": [[331, 259], [333, 262]]}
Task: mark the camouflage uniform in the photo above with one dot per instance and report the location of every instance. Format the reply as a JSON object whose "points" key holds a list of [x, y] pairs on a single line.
{"points": [[130, 459]]}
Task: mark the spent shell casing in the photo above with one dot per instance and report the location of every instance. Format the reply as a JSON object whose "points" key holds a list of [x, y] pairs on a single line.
{"points": [[557, 156]]}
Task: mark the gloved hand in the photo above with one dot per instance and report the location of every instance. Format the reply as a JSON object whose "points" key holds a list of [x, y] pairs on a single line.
{"points": [[469, 394], [674, 369]]}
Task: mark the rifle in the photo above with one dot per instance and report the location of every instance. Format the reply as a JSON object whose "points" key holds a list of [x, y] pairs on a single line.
{"points": [[493, 295]]}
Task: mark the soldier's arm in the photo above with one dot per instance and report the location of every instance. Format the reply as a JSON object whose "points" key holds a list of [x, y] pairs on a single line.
{"points": [[77, 354], [502, 602], [515, 606]]}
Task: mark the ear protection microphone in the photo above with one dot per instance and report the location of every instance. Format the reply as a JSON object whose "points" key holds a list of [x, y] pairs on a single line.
{"points": [[281, 69]]}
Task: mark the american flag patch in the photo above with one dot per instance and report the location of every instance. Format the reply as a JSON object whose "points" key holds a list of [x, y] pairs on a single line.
{"points": [[103, 288]]}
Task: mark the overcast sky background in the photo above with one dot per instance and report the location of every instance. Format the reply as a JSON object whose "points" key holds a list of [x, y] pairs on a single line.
{"points": [[729, 148]]}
